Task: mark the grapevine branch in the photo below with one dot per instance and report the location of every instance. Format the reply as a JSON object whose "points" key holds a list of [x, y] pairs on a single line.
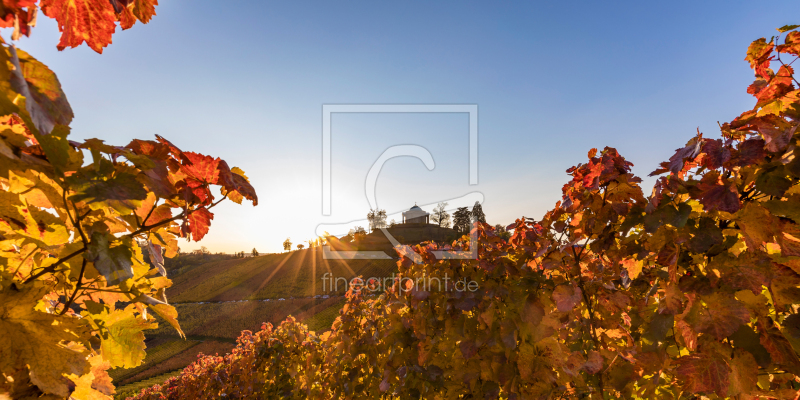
{"points": [[145, 228], [77, 288]]}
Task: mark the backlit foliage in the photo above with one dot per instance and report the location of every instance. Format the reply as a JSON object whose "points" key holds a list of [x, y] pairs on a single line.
{"points": [[691, 291], [76, 293]]}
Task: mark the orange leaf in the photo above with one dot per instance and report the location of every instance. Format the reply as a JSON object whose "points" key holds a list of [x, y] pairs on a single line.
{"points": [[199, 222], [201, 167], [90, 21]]}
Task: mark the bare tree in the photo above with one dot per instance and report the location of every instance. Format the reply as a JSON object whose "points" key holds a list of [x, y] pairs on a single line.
{"points": [[376, 219], [440, 215]]}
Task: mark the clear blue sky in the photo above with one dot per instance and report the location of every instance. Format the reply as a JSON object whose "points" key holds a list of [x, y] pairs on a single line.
{"points": [[246, 81]]}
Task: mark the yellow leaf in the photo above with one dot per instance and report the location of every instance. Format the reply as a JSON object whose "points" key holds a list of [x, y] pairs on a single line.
{"points": [[633, 266], [38, 340]]}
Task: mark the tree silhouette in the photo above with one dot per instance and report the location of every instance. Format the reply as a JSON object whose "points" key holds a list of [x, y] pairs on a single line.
{"points": [[358, 233], [440, 215], [477, 213], [287, 244], [462, 220], [376, 219]]}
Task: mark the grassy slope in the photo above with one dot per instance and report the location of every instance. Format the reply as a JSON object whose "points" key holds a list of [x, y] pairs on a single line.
{"points": [[294, 274]]}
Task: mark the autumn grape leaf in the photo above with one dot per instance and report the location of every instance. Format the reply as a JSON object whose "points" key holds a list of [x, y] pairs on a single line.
{"points": [[156, 255], [744, 373], [144, 10], [791, 44], [199, 222], [95, 385], [236, 184], [122, 192], [566, 297], [788, 209], [689, 152], [90, 21], [58, 150], [779, 348], [717, 195], [202, 168], [704, 373], [633, 266], [716, 154], [717, 314], [44, 100], [113, 262], [38, 339], [791, 325], [758, 225], [122, 343], [759, 55], [745, 338], [163, 309]]}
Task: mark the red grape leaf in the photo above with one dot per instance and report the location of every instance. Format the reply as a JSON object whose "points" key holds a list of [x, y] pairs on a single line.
{"points": [[745, 373], [758, 225], [566, 297], [144, 10], [716, 154], [750, 152], [791, 44], [201, 167], [199, 222], [703, 373], [90, 21], [779, 348], [717, 195], [687, 153], [718, 314], [759, 55]]}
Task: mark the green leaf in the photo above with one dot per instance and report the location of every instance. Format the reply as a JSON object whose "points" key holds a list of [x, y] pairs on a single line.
{"points": [[787, 28]]}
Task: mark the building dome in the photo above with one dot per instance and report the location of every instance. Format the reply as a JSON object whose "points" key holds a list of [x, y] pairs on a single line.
{"points": [[415, 215]]}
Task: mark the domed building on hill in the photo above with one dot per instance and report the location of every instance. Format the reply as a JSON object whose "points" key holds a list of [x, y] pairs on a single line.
{"points": [[416, 215], [415, 228]]}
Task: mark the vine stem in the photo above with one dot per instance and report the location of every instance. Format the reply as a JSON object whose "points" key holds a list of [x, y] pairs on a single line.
{"points": [[77, 288], [145, 228]]}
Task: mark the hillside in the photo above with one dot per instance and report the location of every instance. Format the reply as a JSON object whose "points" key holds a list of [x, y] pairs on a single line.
{"points": [[289, 275], [218, 296]]}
